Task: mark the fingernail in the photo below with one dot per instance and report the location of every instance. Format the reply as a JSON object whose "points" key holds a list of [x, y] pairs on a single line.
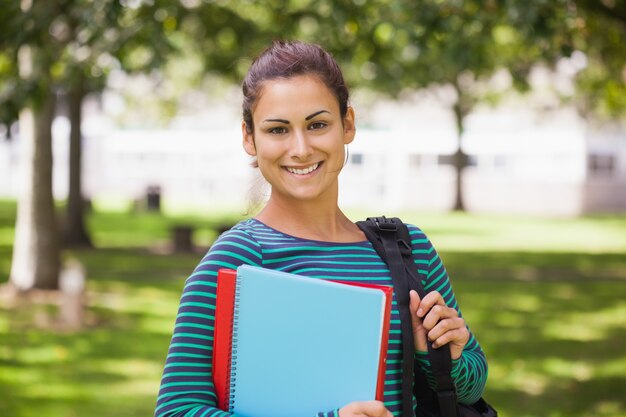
{"points": [[420, 312]]}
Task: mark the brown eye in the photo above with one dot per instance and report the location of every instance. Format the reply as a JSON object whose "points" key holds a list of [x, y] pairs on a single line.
{"points": [[278, 130], [317, 125]]}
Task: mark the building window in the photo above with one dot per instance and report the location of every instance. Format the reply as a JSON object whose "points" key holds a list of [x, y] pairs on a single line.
{"points": [[445, 159], [415, 160], [356, 159], [601, 165]]}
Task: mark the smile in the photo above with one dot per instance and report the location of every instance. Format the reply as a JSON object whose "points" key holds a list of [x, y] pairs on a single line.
{"points": [[303, 171]]}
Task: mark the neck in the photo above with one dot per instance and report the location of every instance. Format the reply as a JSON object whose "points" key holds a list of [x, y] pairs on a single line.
{"points": [[320, 220]]}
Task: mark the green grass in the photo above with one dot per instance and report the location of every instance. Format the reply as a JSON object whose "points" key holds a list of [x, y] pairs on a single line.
{"points": [[544, 297]]}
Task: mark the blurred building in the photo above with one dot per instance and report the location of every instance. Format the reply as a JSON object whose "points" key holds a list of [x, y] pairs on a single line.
{"points": [[559, 167]]}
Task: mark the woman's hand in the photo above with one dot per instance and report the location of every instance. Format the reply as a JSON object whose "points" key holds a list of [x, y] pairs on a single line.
{"points": [[441, 324], [365, 409]]}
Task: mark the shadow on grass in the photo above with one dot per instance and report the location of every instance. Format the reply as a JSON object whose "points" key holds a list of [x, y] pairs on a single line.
{"points": [[552, 326]]}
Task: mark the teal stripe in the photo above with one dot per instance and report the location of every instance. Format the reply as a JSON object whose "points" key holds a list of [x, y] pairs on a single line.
{"points": [[233, 255], [200, 293], [319, 257], [423, 251], [175, 393], [197, 304], [192, 335], [192, 345], [187, 355], [243, 236], [170, 374], [219, 244], [317, 248], [216, 264], [199, 273], [188, 364], [198, 315], [180, 384], [359, 271], [182, 400], [194, 325]]}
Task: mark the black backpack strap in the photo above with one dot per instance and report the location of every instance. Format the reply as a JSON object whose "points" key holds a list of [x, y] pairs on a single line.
{"points": [[391, 240], [382, 235]]}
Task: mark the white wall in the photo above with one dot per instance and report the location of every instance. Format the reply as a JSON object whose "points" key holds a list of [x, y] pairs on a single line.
{"points": [[532, 170]]}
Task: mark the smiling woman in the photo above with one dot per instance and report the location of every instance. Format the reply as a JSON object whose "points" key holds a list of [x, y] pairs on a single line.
{"points": [[298, 140], [296, 124]]}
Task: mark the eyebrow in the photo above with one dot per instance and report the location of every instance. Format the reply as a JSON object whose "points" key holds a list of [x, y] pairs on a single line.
{"points": [[277, 120], [309, 117]]}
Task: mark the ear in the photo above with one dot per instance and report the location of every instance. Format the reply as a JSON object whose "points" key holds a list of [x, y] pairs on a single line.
{"points": [[248, 140], [349, 128]]}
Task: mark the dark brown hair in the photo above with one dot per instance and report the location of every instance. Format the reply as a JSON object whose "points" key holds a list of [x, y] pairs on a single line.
{"points": [[284, 59]]}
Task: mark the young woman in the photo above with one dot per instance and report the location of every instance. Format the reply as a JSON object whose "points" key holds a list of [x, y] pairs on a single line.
{"points": [[296, 123]]}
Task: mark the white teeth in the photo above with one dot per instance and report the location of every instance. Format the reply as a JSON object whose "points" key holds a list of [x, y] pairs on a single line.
{"points": [[303, 171]]}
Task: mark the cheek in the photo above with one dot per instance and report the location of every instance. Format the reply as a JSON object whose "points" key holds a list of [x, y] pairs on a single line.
{"points": [[267, 148], [267, 154]]}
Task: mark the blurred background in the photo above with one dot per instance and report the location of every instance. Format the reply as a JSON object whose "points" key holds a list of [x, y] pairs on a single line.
{"points": [[497, 126]]}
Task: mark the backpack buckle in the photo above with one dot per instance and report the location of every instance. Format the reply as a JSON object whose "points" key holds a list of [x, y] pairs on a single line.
{"points": [[405, 248], [384, 224]]}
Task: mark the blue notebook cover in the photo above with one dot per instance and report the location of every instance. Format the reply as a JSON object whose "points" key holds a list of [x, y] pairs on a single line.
{"points": [[302, 345]]}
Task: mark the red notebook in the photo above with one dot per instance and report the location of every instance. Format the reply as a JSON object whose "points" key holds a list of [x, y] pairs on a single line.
{"points": [[223, 335]]}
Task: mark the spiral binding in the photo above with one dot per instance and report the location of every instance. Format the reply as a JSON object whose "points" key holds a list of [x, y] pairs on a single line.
{"points": [[232, 365]]}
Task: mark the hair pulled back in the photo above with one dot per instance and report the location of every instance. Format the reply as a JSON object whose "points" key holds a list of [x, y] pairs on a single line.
{"points": [[286, 59]]}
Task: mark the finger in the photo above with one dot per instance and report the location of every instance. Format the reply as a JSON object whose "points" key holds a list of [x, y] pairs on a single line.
{"points": [[431, 299], [444, 326], [414, 302], [436, 314], [419, 332], [458, 337], [373, 409]]}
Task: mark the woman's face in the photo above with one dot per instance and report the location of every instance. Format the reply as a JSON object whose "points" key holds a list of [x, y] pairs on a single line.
{"points": [[299, 138]]}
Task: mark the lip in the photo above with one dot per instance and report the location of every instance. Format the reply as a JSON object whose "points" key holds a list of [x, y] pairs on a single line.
{"points": [[304, 170]]}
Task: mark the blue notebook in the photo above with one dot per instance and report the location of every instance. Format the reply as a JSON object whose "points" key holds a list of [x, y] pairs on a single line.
{"points": [[302, 345]]}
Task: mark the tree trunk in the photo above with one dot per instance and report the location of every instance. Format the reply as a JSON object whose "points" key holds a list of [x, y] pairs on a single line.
{"points": [[36, 252], [75, 234], [459, 159]]}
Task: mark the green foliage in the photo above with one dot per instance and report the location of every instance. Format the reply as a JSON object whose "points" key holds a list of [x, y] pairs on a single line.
{"points": [[601, 28], [384, 45], [550, 321]]}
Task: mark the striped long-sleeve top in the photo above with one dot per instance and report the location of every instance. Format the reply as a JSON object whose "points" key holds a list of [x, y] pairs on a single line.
{"points": [[187, 387]]}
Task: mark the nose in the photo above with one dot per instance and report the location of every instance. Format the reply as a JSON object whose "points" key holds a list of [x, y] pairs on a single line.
{"points": [[300, 146]]}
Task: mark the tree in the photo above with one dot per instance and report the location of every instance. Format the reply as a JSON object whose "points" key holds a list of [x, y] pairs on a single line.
{"points": [[36, 252], [104, 35], [598, 32], [392, 46], [62, 45]]}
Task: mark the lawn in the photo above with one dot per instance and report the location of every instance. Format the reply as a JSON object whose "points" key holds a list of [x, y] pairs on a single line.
{"points": [[544, 297]]}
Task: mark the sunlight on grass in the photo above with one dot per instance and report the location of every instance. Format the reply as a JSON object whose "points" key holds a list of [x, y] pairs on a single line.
{"points": [[42, 354], [607, 409], [612, 368], [578, 370], [525, 303], [475, 232], [587, 326], [545, 298], [124, 367], [517, 376], [145, 301]]}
